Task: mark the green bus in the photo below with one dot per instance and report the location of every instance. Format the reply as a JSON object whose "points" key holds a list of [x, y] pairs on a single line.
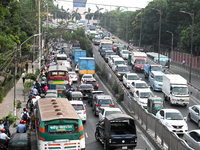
{"points": [[58, 126]]}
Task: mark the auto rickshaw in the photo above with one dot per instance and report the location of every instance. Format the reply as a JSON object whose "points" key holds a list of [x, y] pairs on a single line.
{"points": [[61, 91], [119, 48], [129, 58], [154, 104], [20, 141]]}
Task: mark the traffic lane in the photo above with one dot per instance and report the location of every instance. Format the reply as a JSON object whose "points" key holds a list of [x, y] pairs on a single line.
{"points": [[194, 80]]}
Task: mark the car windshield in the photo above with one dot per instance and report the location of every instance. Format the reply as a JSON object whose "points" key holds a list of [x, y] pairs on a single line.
{"points": [[123, 69], [107, 38], [141, 85], [119, 63], [156, 68], [104, 101], [158, 104], [180, 90], [97, 38], [174, 116], [140, 62], [78, 106], [112, 112], [61, 58], [115, 45], [107, 47], [133, 77], [146, 94], [125, 52], [89, 76], [159, 78]]}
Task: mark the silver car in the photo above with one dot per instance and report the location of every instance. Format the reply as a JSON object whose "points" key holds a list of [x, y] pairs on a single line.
{"points": [[193, 138], [194, 115]]}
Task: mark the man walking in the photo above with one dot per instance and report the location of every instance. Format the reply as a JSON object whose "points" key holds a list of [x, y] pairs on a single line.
{"points": [[7, 125], [26, 67]]}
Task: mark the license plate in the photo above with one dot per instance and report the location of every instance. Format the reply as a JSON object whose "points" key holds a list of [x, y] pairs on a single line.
{"points": [[124, 147]]}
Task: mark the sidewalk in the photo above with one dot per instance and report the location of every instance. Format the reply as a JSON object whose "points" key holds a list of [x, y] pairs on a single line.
{"points": [[8, 103]]}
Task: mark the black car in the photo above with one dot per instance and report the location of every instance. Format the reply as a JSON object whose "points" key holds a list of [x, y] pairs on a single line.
{"points": [[85, 89], [92, 96], [93, 82], [121, 70], [117, 131]]}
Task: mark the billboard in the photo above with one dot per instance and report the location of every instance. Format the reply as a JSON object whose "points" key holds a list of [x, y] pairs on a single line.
{"points": [[79, 3]]}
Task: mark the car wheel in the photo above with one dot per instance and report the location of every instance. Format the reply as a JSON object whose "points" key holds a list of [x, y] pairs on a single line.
{"points": [[97, 136], [95, 112], [189, 117]]}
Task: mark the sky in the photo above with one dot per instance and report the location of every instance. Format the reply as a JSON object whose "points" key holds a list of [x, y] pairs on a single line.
{"points": [[92, 4]]}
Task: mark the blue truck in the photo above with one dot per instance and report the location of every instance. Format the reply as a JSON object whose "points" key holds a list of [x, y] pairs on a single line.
{"points": [[86, 66], [78, 54], [151, 67], [105, 45]]}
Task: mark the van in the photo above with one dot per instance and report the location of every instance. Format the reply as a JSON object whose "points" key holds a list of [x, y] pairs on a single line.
{"points": [[117, 61], [156, 80]]}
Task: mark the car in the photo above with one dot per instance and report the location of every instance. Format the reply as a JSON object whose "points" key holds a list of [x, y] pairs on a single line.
{"points": [[93, 95], [85, 89], [80, 109], [138, 84], [107, 54], [67, 64], [51, 91], [124, 54], [114, 46], [75, 95], [128, 78], [156, 80], [192, 138], [51, 95], [106, 111], [142, 96], [173, 120], [110, 59], [194, 114], [86, 77], [97, 40], [117, 61], [73, 76], [93, 82], [121, 70], [102, 101]]}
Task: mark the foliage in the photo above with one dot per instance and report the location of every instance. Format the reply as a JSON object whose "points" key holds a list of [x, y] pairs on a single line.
{"points": [[31, 76], [19, 104], [114, 87], [37, 71], [12, 118]]}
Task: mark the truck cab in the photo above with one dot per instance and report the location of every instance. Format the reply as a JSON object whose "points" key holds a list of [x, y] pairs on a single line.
{"points": [[156, 80], [138, 59], [105, 45], [151, 67]]}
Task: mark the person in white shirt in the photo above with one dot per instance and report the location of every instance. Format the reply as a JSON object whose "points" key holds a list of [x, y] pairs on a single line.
{"points": [[35, 91], [22, 115], [4, 138]]}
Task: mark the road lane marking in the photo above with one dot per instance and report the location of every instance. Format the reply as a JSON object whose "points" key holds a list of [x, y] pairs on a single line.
{"points": [[86, 135]]}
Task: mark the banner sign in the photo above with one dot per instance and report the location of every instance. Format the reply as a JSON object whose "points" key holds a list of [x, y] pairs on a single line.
{"points": [[79, 3], [60, 128]]}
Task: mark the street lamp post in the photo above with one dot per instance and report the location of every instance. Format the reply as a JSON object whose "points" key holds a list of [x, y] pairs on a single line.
{"points": [[171, 56], [191, 15], [159, 34]]}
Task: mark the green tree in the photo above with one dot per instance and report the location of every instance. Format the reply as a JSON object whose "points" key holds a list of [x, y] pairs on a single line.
{"points": [[88, 14], [97, 13]]}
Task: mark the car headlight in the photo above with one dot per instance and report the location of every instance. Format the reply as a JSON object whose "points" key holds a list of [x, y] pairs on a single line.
{"points": [[185, 126], [156, 83], [119, 74]]}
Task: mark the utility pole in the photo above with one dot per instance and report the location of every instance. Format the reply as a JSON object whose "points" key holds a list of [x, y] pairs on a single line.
{"points": [[33, 66], [172, 45], [140, 30], [39, 29], [127, 25], [14, 112], [47, 15]]}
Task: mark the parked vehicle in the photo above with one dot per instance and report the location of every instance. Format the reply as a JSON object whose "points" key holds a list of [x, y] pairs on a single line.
{"points": [[138, 84], [85, 89], [175, 89], [121, 70], [86, 66], [138, 59], [124, 54], [102, 101], [173, 120], [80, 109], [78, 54], [154, 104], [117, 131], [156, 80], [107, 54], [194, 114], [106, 111], [92, 96], [128, 78], [142, 96], [192, 138], [151, 67]]}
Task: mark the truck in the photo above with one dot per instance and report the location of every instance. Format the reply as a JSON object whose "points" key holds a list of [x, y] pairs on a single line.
{"points": [[151, 67], [73, 48], [105, 45], [175, 89], [117, 131], [86, 66], [138, 59], [78, 54]]}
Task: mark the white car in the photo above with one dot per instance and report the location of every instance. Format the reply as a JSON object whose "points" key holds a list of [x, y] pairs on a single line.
{"points": [[73, 76], [137, 85], [67, 64], [106, 111], [86, 77], [192, 138], [129, 78], [194, 114], [80, 109], [110, 59], [142, 96], [117, 61], [124, 54], [173, 120]]}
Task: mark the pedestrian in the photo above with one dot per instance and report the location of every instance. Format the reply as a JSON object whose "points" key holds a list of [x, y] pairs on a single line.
{"points": [[7, 125], [183, 62], [23, 77], [1, 125], [26, 67]]}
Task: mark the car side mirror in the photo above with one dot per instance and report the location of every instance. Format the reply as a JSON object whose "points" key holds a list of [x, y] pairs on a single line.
{"points": [[185, 118]]}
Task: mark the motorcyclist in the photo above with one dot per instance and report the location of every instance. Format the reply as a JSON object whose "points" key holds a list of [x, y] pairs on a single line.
{"points": [[21, 128], [35, 91], [70, 90], [37, 84], [25, 115], [43, 83], [4, 138]]}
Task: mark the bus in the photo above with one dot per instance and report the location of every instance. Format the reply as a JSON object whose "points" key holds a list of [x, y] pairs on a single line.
{"points": [[57, 75], [58, 126], [59, 58], [163, 59]]}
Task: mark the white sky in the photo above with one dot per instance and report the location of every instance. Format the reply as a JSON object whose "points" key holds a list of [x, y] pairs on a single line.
{"points": [[127, 3]]}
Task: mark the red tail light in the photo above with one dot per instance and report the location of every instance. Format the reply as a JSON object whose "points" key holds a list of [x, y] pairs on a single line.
{"points": [[76, 77], [112, 105], [96, 84], [81, 79], [84, 111], [98, 105], [81, 90], [24, 121]]}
